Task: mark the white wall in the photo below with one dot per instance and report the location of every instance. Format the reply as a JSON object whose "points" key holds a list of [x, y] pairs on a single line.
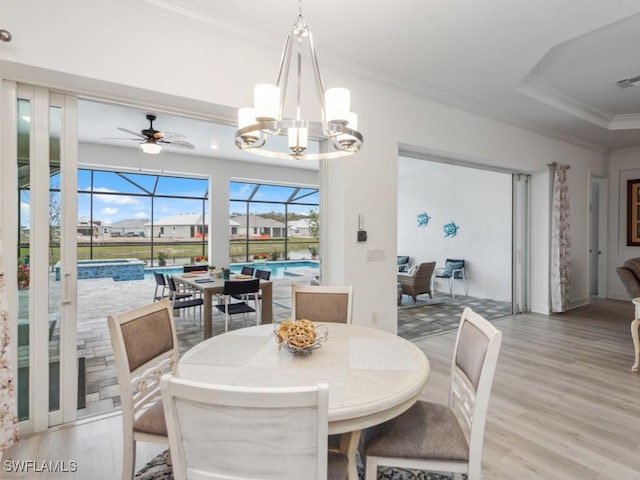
{"points": [[479, 202], [214, 71], [623, 166]]}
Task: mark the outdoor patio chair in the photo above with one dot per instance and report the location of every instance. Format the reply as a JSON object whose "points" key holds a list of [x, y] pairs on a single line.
{"points": [[249, 433], [453, 270], [247, 270], [262, 275], [144, 346], [444, 438], [181, 300], [161, 284], [240, 289]]}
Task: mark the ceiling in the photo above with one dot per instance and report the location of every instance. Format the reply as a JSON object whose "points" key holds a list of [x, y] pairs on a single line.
{"points": [[547, 65]]}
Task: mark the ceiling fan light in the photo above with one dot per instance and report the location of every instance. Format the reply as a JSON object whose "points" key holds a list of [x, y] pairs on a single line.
{"points": [[151, 147]]}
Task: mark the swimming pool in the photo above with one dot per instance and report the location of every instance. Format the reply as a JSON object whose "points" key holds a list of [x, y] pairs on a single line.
{"points": [[120, 269], [291, 268]]}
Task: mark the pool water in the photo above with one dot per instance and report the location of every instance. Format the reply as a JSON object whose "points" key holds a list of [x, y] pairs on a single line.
{"points": [[292, 268]]}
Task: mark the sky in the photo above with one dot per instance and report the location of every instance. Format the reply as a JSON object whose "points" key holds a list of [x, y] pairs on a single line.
{"points": [[133, 200]]}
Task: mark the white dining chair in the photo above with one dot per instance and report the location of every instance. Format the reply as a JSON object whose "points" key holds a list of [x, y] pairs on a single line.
{"points": [[321, 303], [144, 347], [444, 438], [241, 433]]}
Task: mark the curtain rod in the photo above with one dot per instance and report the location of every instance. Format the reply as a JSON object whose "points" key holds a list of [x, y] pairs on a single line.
{"points": [[555, 164]]}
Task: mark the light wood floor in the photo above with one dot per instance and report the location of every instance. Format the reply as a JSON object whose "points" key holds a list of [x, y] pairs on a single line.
{"points": [[565, 405]]}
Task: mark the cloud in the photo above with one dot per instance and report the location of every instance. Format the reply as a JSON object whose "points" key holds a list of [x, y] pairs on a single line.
{"points": [[109, 211], [25, 214], [114, 199]]}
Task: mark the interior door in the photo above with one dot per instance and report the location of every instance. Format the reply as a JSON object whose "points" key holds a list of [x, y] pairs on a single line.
{"points": [[39, 164]]}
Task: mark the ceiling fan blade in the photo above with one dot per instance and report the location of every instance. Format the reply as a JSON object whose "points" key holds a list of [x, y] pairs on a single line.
{"points": [[178, 143], [121, 138], [172, 135], [132, 132]]}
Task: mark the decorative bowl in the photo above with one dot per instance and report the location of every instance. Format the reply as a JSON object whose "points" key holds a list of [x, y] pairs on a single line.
{"points": [[300, 342]]}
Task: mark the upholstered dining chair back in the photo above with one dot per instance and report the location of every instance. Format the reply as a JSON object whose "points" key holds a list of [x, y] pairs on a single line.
{"points": [[445, 438], [223, 432], [321, 303], [144, 348]]}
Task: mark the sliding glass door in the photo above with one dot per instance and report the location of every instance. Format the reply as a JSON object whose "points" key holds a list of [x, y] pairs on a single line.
{"points": [[39, 166]]}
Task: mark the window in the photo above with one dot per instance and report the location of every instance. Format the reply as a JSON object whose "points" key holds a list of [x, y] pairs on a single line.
{"points": [[279, 221]]}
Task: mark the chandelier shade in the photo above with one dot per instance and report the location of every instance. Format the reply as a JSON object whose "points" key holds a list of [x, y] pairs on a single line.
{"points": [[336, 129]]}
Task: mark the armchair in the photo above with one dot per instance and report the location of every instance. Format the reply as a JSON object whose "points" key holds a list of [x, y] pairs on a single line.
{"points": [[453, 270], [629, 274], [418, 282], [403, 263]]}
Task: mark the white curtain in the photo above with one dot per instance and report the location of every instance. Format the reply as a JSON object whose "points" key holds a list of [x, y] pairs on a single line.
{"points": [[560, 241], [8, 416]]}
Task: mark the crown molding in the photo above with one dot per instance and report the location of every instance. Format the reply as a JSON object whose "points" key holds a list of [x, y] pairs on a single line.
{"points": [[629, 121], [197, 18], [538, 90]]}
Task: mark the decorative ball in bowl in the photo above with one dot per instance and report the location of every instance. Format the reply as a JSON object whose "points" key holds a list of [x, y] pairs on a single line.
{"points": [[300, 337]]}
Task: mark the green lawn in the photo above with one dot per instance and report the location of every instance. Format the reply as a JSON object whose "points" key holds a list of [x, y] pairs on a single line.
{"points": [[181, 250]]}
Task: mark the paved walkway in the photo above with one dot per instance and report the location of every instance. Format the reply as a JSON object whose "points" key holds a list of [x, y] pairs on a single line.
{"points": [[100, 297]]}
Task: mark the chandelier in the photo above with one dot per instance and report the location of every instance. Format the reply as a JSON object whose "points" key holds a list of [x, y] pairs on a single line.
{"points": [[338, 126]]}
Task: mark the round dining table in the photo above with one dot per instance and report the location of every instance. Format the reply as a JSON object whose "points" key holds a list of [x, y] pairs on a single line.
{"points": [[373, 375]]}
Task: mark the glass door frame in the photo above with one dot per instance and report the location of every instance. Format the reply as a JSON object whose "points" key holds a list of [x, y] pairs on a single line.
{"points": [[41, 101]]}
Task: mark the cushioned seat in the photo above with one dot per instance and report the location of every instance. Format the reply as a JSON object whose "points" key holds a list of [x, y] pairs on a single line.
{"points": [[152, 421], [426, 430]]}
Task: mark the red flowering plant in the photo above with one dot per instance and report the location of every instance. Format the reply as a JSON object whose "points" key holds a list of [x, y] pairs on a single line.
{"points": [[24, 275], [200, 259]]}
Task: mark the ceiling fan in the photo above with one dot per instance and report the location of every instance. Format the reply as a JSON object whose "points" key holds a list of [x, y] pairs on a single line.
{"points": [[153, 140]]}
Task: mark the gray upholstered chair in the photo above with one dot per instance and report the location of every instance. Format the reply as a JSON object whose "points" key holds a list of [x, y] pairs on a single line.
{"points": [[444, 438], [248, 432], [417, 282], [144, 347], [321, 303], [629, 274]]}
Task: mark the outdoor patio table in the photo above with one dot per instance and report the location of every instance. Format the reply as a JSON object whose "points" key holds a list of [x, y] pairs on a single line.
{"points": [[211, 286], [373, 375]]}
